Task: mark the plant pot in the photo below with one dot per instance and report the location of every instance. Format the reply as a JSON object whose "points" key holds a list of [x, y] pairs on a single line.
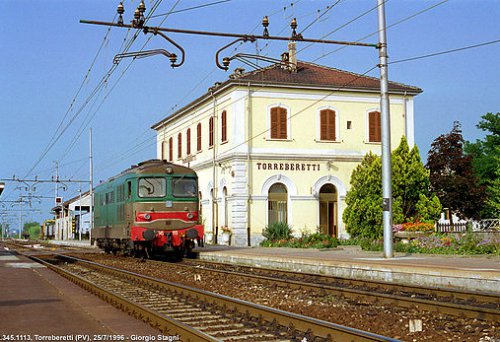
{"points": [[209, 237], [225, 238]]}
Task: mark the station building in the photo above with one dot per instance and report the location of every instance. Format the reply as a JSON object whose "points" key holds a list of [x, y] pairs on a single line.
{"points": [[71, 220], [280, 144]]}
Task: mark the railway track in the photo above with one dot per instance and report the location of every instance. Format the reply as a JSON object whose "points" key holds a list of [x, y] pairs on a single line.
{"points": [[194, 314], [482, 306]]}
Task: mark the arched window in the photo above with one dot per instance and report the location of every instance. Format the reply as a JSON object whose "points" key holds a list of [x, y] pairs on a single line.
{"points": [[188, 141], [374, 131], [170, 149], [277, 204], [278, 123], [198, 137], [211, 132], [179, 145], [327, 124], [224, 126]]}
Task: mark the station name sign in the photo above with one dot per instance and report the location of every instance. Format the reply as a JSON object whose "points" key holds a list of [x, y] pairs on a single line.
{"points": [[288, 166]]}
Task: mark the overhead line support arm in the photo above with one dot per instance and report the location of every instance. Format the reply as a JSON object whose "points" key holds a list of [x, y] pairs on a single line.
{"points": [[227, 34]]}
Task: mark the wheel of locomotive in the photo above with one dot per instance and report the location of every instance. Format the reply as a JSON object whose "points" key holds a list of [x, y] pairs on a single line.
{"points": [[179, 252], [189, 249], [128, 248]]}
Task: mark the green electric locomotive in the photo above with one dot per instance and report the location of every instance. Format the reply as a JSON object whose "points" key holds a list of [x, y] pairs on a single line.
{"points": [[148, 209]]}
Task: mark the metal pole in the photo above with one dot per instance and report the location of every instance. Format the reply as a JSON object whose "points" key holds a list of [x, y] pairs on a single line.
{"points": [[91, 190], [80, 216], [386, 134], [21, 219], [57, 225]]}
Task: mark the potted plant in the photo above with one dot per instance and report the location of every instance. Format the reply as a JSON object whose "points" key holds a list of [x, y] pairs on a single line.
{"points": [[209, 237], [226, 235]]}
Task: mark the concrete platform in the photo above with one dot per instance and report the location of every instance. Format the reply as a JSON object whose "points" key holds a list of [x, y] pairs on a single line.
{"points": [[471, 273], [36, 301]]}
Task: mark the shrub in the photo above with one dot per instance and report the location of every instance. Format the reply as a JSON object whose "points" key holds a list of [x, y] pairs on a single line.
{"points": [[316, 240], [278, 231]]}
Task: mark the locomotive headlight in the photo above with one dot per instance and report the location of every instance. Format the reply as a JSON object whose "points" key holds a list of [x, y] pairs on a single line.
{"points": [[190, 215], [147, 217]]}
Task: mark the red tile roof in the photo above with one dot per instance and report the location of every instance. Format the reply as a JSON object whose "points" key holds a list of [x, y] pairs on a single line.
{"points": [[313, 75], [308, 75]]}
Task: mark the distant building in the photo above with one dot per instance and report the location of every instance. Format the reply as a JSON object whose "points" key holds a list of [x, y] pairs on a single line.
{"points": [[278, 144], [72, 219]]}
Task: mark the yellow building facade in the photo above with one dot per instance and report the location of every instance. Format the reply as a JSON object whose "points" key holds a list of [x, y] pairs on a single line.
{"points": [[279, 145]]}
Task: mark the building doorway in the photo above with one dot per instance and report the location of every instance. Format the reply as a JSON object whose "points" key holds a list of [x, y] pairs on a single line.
{"points": [[328, 215], [277, 204]]}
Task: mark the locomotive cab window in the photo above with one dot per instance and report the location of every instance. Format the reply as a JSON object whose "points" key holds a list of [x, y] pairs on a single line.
{"points": [[152, 187], [184, 187]]}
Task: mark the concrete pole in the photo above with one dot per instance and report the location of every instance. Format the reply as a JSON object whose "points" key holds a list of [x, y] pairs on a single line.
{"points": [[386, 134]]}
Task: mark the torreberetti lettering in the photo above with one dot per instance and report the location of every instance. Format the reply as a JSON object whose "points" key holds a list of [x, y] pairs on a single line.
{"points": [[288, 166]]}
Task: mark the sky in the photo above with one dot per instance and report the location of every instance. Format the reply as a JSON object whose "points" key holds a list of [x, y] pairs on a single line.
{"points": [[52, 69]]}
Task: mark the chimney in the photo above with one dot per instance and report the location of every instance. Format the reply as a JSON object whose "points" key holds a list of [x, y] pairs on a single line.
{"points": [[237, 73], [292, 55]]}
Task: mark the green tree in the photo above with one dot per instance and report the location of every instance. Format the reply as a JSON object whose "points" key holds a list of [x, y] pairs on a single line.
{"points": [[486, 162], [363, 214], [452, 175], [32, 228], [410, 182]]}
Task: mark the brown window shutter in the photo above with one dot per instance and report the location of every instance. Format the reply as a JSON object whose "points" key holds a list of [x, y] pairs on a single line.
{"points": [[198, 137], [224, 126], [188, 141], [327, 125], [170, 149], [323, 125], [179, 145], [374, 127], [282, 123], [274, 123], [331, 126], [378, 128]]}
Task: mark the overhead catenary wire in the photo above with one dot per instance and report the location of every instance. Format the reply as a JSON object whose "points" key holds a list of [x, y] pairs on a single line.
{"points": [[399, 61], [388, 27], [445, 52], [94, 92], [190, 8], [208, 74], [51, 141], [345, 25]]}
